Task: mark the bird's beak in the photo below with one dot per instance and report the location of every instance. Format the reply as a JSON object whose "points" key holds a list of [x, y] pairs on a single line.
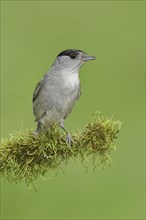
{"points": [[86, 58]]}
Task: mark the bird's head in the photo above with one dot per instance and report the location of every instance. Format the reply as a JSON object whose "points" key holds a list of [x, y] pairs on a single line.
{"points": [[72, 59]]}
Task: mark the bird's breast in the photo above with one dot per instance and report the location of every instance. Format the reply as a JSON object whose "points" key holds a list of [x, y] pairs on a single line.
{"points": [[70, 79], [69, 92]]}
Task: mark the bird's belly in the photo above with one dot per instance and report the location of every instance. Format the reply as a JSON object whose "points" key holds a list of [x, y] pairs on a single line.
{"points": [[68, 98], [58, 112], [51, 117], [56, 106]]}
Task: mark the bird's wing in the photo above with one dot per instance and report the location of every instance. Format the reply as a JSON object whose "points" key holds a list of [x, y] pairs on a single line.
{"points": [[38, 88]]}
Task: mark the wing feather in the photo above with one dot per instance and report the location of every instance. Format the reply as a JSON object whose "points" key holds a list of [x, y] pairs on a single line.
{"points": [[37, 89]]}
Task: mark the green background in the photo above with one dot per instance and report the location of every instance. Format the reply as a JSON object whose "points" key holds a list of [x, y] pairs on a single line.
{"points": [[32, 34]]}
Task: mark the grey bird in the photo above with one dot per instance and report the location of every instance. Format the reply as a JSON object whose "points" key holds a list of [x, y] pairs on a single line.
{"points": [[58, 90]]}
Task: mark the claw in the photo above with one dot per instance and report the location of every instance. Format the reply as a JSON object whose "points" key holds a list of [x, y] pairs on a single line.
{"points": [[68, 137]]}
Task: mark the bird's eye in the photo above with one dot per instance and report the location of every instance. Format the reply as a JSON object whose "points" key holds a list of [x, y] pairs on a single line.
{"points": [[73, 55]]}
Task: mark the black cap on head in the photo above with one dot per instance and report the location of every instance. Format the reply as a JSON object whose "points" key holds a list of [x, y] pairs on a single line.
{"points": [[72, 53]]}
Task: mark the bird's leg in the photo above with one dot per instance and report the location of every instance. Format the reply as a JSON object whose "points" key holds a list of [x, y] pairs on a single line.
{"points": [[68, 137], [40, 128]]}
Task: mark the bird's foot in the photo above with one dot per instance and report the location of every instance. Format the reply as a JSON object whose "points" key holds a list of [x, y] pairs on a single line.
{"points": [[69, 139], [35, 133]]}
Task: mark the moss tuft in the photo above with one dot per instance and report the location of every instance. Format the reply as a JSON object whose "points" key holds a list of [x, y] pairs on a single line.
{"points": [[26, 157]]}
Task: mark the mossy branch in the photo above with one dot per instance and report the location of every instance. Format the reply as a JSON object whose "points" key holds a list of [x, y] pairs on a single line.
{"points": [[26, 157]]}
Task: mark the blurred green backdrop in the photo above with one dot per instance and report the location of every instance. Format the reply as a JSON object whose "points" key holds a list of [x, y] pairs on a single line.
{"points": [[32, 34]]}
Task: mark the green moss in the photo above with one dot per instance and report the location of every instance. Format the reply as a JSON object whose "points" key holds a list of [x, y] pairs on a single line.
{"points": [[26, 157]]}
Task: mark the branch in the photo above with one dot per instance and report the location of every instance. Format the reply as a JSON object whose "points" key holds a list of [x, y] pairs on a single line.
{"points": [[26, 157]]}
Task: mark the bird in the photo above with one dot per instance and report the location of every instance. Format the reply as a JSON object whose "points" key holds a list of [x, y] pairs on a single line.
{"points": [[57, 92]]}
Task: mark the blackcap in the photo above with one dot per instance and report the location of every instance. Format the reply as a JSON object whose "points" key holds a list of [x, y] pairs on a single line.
{"points": [[58, 90]]}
